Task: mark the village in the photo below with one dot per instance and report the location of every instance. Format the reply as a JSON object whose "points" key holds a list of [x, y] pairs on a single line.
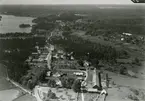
{"points": [[74, 53], [91, 80], [62, 66]]}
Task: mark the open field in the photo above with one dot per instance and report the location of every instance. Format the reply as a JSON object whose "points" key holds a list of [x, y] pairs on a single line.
{"points": [[9, 95], [4, 84], [125, 94], [25, 98], [94, 39]]}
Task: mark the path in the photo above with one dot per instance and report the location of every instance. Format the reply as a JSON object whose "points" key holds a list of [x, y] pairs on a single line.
{"points": [[36, 89], [19, 86]]}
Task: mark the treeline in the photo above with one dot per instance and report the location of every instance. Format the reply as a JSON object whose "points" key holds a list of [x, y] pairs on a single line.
{"points": [[17, 34], [43, 26], [21, 43], [49, 22], [81, 47], [65, 16], [44, 10], [114, 25]]}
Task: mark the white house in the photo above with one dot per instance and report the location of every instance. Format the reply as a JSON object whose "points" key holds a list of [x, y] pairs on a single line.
{"points": [[128, 34]]}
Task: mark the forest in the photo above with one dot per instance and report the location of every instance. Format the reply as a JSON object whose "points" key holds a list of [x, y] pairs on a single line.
{"points": [[14, 52], [81, 47]]}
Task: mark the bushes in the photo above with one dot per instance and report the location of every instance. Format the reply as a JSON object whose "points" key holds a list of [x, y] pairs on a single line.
{"points": [[137, 62], [136, 92], [133, 97], [67, 82], [77, 86], [35, 75], [123, 70], [51, 83]]}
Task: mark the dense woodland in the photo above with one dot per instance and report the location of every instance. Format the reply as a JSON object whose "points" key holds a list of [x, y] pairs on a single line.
{"points": [[45, 10], [81, 47], [17, 34], [117, 26], [15, 51]]}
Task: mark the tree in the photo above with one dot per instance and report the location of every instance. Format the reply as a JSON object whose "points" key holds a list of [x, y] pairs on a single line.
{"points": [[67, 82], [51, 83], [123, 70], [136, 61], [51, 95], [76, 86]]}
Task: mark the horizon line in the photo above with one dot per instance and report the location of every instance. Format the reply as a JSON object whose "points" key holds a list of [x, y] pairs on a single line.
{"points": [[77, 4]]}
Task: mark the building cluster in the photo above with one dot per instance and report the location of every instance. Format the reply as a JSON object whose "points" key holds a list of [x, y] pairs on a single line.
{"points": [[41, 57], [125, 38]]}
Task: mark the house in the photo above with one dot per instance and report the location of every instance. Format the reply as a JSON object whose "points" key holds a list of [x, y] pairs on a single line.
{"points": [[86, 63], [79, 21], [72, 58], [34, 53], [56, 56], [93, 82], [62, 24], [58, 82], [131, 73], [35, 60], [92, 90], [58, 21], [56, 79], [51, 47], [40, 59], [62, 56], [56, 74], [60, 51], [122, 39], [37, 47], [39, 51], [127, 34], [49, 73]]}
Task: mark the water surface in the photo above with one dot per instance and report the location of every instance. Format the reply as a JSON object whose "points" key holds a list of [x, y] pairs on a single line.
{"points": [[10, 23]]}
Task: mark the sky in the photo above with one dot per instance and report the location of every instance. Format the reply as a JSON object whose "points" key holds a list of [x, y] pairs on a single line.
{"points": [[66, 2]]}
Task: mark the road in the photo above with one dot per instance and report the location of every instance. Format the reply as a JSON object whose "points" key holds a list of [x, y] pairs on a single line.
{"points": [[19, 86], [36, 93]]}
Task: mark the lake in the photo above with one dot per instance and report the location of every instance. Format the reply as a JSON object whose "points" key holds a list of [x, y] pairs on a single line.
{"points": [[10, 23]]}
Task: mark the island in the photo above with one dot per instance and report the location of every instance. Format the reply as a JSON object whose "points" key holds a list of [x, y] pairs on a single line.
{"points": [[24, 25]]}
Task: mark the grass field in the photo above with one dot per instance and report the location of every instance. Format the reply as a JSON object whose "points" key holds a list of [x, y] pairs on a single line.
{"points": [[25, 98], [94, 39], [4, 84]]}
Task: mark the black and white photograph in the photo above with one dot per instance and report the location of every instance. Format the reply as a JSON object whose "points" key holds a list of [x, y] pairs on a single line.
{"points": [[72, 50]]}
